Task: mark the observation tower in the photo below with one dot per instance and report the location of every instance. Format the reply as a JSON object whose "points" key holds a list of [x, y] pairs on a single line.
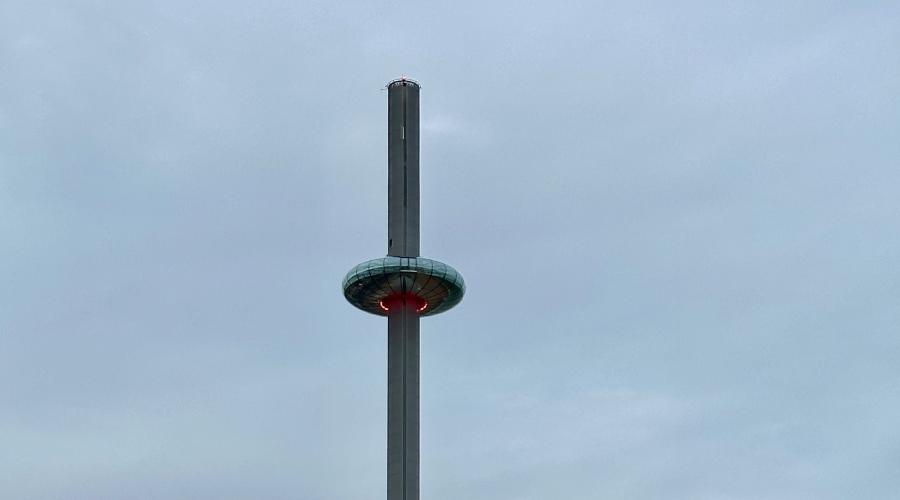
{"points": [[403, 287]]}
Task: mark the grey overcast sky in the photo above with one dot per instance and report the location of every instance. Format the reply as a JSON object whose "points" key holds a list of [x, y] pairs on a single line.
{"points": [[679, 223]]}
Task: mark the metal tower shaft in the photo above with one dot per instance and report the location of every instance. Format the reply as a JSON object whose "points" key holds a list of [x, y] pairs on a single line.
{"points": [[404, 287], [403, 169], [403, 318]]}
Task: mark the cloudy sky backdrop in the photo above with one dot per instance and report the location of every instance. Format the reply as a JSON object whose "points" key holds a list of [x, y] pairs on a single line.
{"points": [[679, 223]]}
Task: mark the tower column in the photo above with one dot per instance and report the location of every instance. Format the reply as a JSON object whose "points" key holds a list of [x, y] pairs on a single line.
{"points": [[403, 402], [403, 318], [404, 287], [403, 168]]}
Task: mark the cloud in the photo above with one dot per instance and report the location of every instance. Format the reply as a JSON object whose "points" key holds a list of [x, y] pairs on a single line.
{"points": [[675, 223]]}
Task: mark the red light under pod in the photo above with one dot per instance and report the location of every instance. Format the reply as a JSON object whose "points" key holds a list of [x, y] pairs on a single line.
{"points": [[401, 300]]}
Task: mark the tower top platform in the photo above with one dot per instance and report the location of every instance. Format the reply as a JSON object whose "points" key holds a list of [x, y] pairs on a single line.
{"points": [[403, 81]]}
